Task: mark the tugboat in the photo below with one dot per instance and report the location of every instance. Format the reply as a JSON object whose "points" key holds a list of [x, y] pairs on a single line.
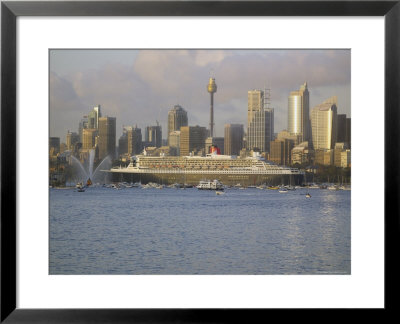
{"points": [[79, 187]]}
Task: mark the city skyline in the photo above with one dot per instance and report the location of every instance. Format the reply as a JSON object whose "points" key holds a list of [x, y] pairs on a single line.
{"points": [[140, 87]]}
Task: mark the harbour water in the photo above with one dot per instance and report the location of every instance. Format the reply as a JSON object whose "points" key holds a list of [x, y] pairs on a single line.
{"points": [[189, 231]]}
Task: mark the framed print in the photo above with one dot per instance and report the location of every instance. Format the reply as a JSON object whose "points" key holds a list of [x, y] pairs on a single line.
{"points": [[92, 95]]}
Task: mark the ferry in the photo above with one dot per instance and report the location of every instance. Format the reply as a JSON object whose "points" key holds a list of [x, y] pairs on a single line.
{"points": [[210, 185], [230, 170]]}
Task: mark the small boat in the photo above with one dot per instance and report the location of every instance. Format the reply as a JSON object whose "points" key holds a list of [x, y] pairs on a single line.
{"points": [[283, 190], [219, 192], [308, 195], [79, 187]]}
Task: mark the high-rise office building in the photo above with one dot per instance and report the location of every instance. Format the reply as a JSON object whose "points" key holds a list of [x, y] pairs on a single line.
{"points": [[174, 143], [348, 132], [192, 139], [134, 136], [93, 117], [177, 117], [123, 144], [107, 137], [72, 139], [233, 141], [324, 124], [260, 122], [153, 136], [89, 138], [281, 151], [83, 124], [298, 113], [341, 128]]}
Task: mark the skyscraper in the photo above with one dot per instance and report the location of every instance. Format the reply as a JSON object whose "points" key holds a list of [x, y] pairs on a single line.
{"points": [[89, 138], [107, 137], [233, 141], [348, 132], [174, 142], [153, 136], [260, 122], [192, 139], [82, 125], [93, 117], [134, 136], [341, 128], [177, 117], [324, 124], [298, 113], [72, 139]]}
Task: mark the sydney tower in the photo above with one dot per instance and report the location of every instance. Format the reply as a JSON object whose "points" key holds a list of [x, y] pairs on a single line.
{"points": [[212, 88]]}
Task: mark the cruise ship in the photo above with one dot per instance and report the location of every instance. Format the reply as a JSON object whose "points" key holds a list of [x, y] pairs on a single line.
{"points": [[229, 170]]}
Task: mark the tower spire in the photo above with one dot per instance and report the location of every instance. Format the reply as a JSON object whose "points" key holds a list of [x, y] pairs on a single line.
{"points": [[211, 88]]}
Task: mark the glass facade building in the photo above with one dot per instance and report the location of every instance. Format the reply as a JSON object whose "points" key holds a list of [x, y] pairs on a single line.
{"points": [[324, 125], [298, 113]]}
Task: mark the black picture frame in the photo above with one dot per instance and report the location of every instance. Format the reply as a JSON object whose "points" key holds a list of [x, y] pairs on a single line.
{"points": [[10, 10]]}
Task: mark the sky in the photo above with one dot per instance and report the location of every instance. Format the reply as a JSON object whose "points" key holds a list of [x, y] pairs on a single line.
{"points": [[139, 87]]}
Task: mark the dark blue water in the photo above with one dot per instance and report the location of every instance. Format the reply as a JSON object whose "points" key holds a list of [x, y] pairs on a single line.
{"points": [[175, 231]]}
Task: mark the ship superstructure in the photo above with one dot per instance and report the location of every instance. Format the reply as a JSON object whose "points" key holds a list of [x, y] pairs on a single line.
{"points": [[230, 170]]}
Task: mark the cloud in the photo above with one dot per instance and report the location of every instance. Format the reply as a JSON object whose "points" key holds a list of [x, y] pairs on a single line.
{"points": [[146, 90]]}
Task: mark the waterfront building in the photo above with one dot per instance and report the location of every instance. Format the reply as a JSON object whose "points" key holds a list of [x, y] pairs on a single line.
{"points": [[260, 122], [337, 153], [211, 89], [298, 113], [192, 140], [324, 125], [72, 139], [93, 117], [107, 137], [177, 117], [153, 136], [301, 154], [281, 151], [324, 157], [89, 138], [346, 158], [54, 145], [233, 140]]}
